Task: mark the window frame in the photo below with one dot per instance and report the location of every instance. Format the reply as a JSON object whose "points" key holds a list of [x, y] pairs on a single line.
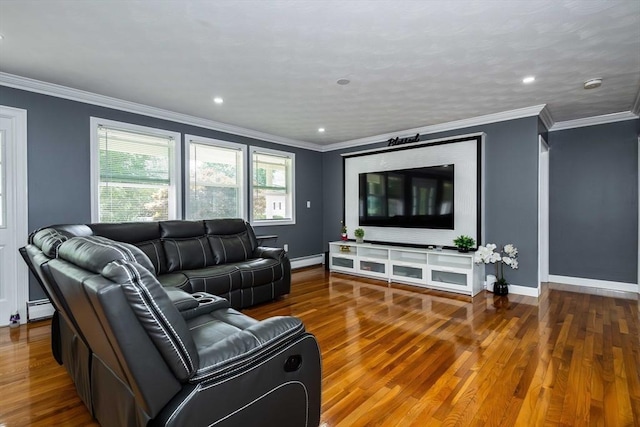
{"points": [[175, 187], [188, 139], [290, 184]]}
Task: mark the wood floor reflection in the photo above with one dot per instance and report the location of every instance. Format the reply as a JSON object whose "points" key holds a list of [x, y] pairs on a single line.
{"points": [[403, 356]]}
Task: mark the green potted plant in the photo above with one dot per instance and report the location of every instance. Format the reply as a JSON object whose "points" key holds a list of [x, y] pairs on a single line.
{"points": [[359, 233], [464, 243]]}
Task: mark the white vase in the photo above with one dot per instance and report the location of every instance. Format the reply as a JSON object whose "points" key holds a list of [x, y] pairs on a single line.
{"points": [[491, 279]]}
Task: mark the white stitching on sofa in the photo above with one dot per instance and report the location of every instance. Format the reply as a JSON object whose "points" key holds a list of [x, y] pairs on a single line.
{"points": [[138, 280], [246, 254], [170, 326], [204, 253], [155, 249], [306, 393]]}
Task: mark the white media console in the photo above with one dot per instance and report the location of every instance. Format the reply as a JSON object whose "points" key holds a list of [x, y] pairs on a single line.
{"points": [[445, 270]]}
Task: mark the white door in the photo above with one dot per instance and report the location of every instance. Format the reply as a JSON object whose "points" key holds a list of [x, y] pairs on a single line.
{"points": [[14, 285], [543, 212]]}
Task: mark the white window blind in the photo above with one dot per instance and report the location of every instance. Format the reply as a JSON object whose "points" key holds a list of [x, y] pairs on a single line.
{"points": [[272, 187], [216, 179], [136, 175]]}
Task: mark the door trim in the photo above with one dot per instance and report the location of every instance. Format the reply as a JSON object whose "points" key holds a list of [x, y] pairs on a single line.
{"points": [[543, 214], [18, 119]]}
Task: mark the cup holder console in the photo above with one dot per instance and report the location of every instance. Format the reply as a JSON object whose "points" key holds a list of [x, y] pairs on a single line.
{"points": [[206, 304], [205, 298]]}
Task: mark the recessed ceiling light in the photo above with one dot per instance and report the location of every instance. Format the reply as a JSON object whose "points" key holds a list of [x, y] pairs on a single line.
{"points": [[320, 130], [218, 100], [528, 79], [343, 82], [593, 83]]}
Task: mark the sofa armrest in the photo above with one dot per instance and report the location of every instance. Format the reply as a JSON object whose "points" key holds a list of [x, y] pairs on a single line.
{"points": [[244, 347], [182, 300], [196, 304], [207, 303], [268, 252]]}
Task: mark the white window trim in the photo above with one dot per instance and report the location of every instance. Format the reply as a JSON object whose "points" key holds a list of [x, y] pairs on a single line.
{"points": [[215, 143], [268, 222], [175, 188]]}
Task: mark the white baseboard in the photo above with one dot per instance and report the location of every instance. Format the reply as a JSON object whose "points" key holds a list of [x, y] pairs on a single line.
{"points": [[307, 261], [593, 283], [524, 290], [39, 309], [520, 290]]}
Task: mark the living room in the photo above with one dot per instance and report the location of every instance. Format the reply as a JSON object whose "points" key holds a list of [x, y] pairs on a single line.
{"points": [[592, 142]]}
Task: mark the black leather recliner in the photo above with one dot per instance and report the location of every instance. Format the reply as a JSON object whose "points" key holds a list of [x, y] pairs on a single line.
{"points": [[170, 358]]}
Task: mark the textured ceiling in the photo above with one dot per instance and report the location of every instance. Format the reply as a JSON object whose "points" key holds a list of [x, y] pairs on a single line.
{"points": [[276, 63]]}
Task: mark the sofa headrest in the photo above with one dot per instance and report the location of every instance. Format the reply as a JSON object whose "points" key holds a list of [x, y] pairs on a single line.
{"points": [[225, 226], [158, 316], [130, 232], [180, 229], [50, 238], [93, 253]]}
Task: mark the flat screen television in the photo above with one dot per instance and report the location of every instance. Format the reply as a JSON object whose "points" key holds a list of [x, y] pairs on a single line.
{"points": [[408, 198]]}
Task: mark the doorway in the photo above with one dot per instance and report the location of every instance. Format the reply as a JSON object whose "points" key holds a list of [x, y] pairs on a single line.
{"points": [[14, 276]]}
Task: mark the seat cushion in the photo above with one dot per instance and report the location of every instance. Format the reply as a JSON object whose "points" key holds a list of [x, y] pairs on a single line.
{"points": [[259, 271], [216, 280], [175, 280]]}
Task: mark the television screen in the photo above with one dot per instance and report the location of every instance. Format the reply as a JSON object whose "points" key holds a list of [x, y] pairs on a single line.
{"points": [[409, 198]]}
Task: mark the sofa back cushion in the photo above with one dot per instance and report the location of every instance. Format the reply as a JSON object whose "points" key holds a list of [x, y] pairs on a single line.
{"points": [[92, 253], [188, 253], [231, 248], [155, 251], [49, 240], [231, 240]]}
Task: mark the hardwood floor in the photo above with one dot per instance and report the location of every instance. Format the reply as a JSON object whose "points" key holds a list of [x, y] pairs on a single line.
{"points": [[404, 356]]}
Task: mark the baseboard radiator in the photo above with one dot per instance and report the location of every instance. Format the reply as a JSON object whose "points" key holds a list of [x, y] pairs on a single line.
{"points": [[39, 309]]}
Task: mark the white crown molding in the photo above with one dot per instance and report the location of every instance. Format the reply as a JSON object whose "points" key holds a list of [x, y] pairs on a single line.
{"points": [[635, 108], [545, 116], [441, 127], [18, 82], [595, 120]]}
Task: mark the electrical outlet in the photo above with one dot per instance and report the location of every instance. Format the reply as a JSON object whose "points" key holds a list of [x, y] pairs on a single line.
{"points": [[286, 247], [308, 204]]}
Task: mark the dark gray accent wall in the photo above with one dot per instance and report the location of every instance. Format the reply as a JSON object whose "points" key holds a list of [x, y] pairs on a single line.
{"points": [[59, 168], [593, 202], [511, 190]]}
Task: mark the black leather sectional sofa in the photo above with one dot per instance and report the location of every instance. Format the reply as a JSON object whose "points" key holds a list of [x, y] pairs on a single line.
{"points": [[148, 329]]}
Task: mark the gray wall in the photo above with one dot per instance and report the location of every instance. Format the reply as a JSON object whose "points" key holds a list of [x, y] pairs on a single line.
{"points": [[511, 190], [59, 168], [593, 198]]}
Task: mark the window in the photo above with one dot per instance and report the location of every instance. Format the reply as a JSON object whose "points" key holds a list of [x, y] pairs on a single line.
{"points": [[272, 187], [135, 172], [216, 174]]}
